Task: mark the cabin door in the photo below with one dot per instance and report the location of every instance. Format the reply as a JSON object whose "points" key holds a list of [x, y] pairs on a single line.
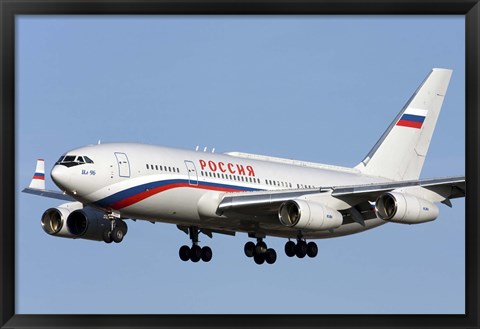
{"points": [[123, 165], [192, 173]]}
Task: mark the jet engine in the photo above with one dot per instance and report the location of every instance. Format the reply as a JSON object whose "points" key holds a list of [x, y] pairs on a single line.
{"points": [[305, 215], [405, 208], [72, 220]]}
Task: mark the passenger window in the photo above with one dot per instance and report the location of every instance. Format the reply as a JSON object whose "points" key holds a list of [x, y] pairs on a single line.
{"points": [[147, 167]]}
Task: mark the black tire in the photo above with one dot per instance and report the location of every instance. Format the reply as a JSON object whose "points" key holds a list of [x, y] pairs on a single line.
{"points": [[195, 253], [184, 253], [117, 235], [301, 249], [206, 254], [121, 224], [260, 248], [259, 258], [249, 249], [271, 256], [312, 249], [107, 237], [290, 248]]}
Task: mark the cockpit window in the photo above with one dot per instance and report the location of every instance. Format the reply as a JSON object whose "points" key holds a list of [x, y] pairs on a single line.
{"points": [[73, 160]]}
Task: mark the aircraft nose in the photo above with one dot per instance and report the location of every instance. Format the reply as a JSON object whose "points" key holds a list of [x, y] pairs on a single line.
{"points": [[60, 176]]}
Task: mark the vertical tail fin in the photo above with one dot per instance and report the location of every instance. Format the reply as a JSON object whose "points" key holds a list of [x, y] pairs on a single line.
{"points": [[38, 180], [400, 153]]}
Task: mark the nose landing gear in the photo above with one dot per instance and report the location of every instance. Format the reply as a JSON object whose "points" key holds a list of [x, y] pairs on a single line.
{"points": [[116, 232]]}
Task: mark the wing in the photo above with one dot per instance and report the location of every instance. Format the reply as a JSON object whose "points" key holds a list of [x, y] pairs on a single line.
{"points": [[341, 197], [49, 194]]}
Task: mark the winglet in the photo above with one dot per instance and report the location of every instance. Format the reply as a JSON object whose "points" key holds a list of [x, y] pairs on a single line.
{"points": [[38, 180]]}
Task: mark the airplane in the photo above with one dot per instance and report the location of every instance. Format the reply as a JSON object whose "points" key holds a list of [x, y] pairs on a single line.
{"points": [[209, 193]]}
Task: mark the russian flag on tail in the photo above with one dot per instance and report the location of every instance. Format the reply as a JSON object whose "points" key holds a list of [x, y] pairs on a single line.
{"points": [[38, 180], [412, 118]]}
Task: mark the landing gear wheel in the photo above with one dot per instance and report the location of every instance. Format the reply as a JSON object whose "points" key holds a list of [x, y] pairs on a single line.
{"points": [[261, 248], [206, 254], [312, 249], [107, 237], [117, 235], [301, 249], [271, 256], [290, 248], [184, 253], [259, 258], [249, 249], [195, 253]]}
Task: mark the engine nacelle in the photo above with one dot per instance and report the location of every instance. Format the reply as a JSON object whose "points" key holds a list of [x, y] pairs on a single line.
{"points": [[71, 220], [90, 224], [305, 215], [54, 219], [405, 208]]}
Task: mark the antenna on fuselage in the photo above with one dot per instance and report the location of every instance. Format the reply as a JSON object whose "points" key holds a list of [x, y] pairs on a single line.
{"points": [[196, 149], [205, 149], [99, 142], [213, 150]]}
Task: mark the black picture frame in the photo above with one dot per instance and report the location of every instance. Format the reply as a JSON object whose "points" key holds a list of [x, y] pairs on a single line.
{"points": [[11, 8]]}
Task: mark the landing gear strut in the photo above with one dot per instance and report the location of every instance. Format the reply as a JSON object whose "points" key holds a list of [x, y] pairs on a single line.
{"points": [[116, 232], [301, 248], [260, 252], [195, 253]]}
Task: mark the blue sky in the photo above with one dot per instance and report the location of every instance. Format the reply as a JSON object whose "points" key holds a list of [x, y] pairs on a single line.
{"points": [[316, 88]]}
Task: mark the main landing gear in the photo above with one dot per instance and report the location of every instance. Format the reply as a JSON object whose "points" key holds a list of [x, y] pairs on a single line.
{"points": [[260, 252], [116, 232], [301, 248], [195, 253]]}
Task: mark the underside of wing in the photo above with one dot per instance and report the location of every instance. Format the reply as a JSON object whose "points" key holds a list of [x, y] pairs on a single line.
{"points": [[48, 193], [355, 203]]}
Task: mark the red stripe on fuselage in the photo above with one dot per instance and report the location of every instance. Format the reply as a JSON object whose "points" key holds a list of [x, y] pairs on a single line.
{"points": [[141, 196], [39, 177]]}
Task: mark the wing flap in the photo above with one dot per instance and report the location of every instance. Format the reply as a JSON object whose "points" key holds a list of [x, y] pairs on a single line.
{"points": [[449, 188]]}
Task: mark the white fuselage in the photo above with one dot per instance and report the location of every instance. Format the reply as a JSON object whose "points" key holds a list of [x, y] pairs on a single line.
{"points": [[166, 185]]}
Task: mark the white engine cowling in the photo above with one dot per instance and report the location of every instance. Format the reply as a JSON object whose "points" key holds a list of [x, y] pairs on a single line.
{"points": [[405, 208], [309, 215], [71, 220], [54, 219]]}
